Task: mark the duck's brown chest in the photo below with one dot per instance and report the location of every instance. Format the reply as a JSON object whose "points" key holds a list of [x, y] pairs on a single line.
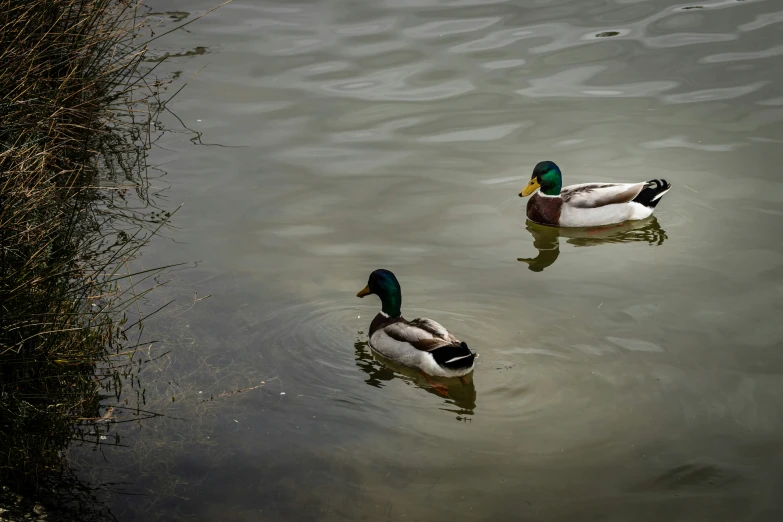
{"points": [[381, 321], [545, 211]]}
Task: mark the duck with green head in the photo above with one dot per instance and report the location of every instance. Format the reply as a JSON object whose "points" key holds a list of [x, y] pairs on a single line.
{"points": [[421, 343], [588, 204]]}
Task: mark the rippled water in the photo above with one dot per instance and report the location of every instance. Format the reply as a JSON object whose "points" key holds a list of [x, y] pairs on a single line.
{"points": [[631, 373]]}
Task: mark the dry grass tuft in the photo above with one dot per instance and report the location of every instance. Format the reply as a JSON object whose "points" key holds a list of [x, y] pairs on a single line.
{"points": [[76, 117]]}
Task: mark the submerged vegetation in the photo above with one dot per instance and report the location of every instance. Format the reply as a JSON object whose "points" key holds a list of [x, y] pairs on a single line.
{"points": [[77, 113]]}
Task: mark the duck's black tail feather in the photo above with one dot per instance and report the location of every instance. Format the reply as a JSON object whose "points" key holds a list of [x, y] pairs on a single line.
{"points": [[652, 192], [454, 356]]}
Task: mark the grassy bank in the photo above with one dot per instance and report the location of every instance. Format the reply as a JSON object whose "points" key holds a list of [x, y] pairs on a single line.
{"points": [[76, 119]]}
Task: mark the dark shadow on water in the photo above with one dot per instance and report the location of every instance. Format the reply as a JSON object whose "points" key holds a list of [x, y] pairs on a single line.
{"points": [[67, 499], [690, 476], [547, 239], [461, 398]]}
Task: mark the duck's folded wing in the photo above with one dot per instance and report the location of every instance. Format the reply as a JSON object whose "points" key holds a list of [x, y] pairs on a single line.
{"points": [[421, 338], [434, 328], [420, 333], [594, 195]]}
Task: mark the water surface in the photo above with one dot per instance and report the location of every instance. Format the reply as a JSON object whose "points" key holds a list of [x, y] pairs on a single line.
{"points": [[630, 374]]}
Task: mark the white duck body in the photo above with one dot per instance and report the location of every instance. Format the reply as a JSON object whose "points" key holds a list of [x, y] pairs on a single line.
{"points": [[596, 204], [579, 212], [422, 344]]}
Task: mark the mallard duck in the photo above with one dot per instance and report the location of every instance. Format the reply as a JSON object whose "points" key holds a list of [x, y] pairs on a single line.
{"points": [[588, 204], [421, 343]]}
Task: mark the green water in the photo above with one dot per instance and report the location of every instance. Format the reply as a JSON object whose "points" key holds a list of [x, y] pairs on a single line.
{"points": [[632, 374]]}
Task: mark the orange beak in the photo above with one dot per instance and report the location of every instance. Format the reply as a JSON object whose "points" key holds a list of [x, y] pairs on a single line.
{"points": [[529, 188]]}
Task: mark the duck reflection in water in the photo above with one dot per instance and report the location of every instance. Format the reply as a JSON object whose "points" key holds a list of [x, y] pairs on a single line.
{"points": [[547, 239], [460, 395]]}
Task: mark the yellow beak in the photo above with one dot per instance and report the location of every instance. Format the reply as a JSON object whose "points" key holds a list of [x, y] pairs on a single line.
{"points": [[364, 291], [529, 188]]}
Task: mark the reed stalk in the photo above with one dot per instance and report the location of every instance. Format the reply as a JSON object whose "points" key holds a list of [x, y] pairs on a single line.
{"points": [[77, 113]]}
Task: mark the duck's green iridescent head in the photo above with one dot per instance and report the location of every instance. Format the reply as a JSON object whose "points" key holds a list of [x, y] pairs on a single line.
{"points": [[547, 176], [383, 284]]}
